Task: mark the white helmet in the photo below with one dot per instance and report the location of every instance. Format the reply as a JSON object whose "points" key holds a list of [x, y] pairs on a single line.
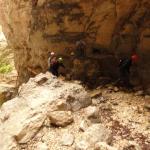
{"points": [[52, 53], [60, 59]]}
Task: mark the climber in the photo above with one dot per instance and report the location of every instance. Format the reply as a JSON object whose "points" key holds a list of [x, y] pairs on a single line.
{"points": [[80, 48], [50, 58], [124, 69], [55, 64], [51, 61]]}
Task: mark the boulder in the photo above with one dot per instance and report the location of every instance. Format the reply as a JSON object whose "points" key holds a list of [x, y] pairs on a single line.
{"points": [[92, 112], [79, 101], [94, 134], [60, 118], [22, 117]]}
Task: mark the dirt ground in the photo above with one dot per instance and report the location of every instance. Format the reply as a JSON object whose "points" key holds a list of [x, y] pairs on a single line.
{"points": [[127, 116], [122, 112]]}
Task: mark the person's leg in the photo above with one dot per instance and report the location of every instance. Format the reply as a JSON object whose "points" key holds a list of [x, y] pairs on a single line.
{"points": [[81, 52], [49, 69], [120, 81], [56, 73], [52, 70], [127, 80]]}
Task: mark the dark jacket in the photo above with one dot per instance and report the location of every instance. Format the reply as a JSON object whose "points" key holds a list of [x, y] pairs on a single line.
{"points": [[56, 65], [125, 65]]}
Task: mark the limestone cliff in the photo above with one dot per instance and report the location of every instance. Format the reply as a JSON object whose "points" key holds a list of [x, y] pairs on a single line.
{"points": [[34, 27]]}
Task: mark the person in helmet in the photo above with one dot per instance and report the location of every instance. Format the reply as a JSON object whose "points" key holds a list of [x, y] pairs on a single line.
{"points": [[60, 60], [50, 58], [55, 65], [124, 69], [134, 58], [80, 48]]}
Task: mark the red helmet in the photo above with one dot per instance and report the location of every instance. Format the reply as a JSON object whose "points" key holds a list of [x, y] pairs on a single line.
{"points": [[134, 58]]}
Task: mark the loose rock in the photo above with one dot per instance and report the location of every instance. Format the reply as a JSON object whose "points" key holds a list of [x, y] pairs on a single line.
{"points": [[92, 112], [107, 106], [103, 146], [95, 133], [83, 125], [147, 97], [147, 106], [42, 146], [61, 118], [139, 93], [96, 94], [67, 139], [116, 89], [82, 145], [63, 106]]}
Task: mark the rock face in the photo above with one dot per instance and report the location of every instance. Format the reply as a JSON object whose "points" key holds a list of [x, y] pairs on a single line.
{"points": [[33, 28], [22, 117]]}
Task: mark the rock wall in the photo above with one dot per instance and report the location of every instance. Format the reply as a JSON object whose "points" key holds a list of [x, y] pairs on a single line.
{"points": [[112, 27]]}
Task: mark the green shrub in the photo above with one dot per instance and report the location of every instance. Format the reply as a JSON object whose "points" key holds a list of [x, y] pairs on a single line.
{"points": [[5, 60], [5, 68]]}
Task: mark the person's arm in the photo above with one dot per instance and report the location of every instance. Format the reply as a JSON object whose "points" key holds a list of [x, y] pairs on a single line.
{"points": [[49, 61], [62, 65]]}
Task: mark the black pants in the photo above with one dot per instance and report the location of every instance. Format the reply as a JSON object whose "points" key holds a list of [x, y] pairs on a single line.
{"points": [[125, 78], [53, 71]]}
